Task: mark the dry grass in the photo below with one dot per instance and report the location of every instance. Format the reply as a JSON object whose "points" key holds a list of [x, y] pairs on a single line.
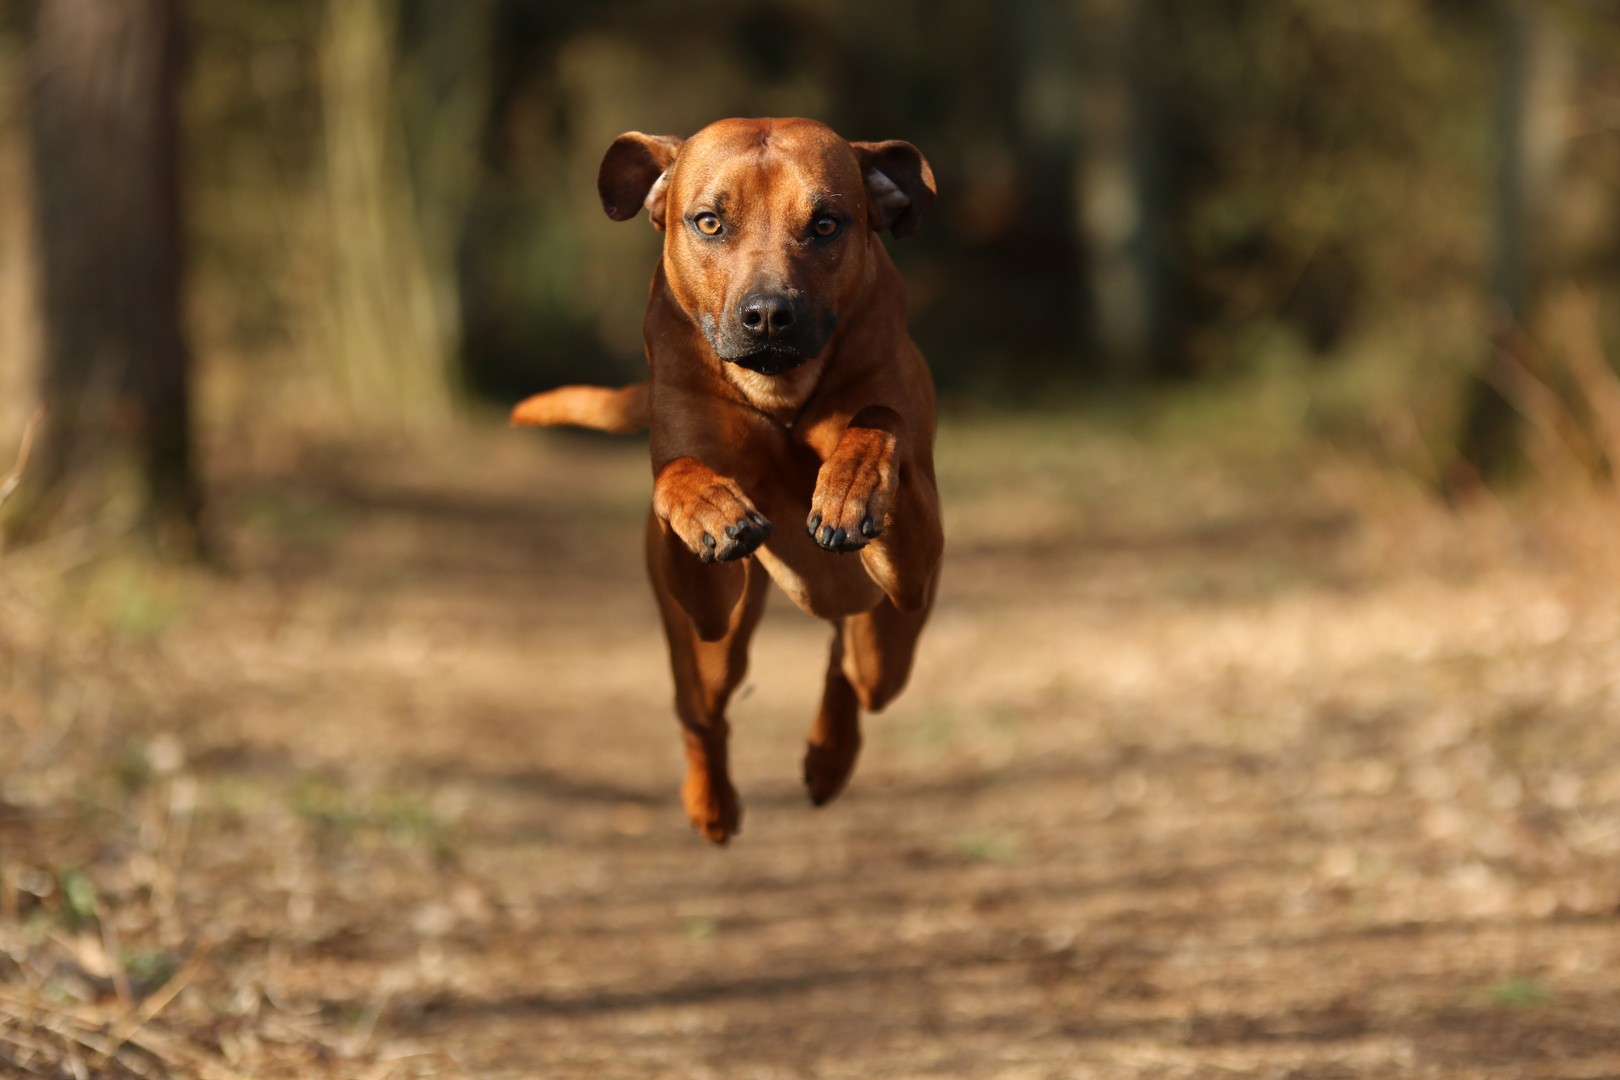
{"points": [[1216, 762]]}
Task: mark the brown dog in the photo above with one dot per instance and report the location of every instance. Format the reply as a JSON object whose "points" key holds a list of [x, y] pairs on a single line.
{"points": [[784, 389]]}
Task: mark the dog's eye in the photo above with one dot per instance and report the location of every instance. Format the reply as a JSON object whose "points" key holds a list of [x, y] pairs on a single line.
{"points": [[826, 226], [707, 224]]}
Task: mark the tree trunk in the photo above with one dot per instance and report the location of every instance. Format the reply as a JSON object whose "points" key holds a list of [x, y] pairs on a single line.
{"points": [[1537, 73], [107, 203], [1122, 196], [1045, 129], [383, 317], [448, 48], [19, 309]]}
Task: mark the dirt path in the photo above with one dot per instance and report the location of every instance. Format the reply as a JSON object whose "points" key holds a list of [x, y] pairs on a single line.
{"points": [[1202, 773]]}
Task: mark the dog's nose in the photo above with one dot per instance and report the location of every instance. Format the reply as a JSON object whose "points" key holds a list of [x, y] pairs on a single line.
{"points": [[766, 316]]}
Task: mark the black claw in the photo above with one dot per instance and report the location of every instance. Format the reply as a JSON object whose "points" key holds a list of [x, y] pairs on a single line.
{"points": [[838, 538], [813, 525], [826, 536], [708, 541], [759, 519], [867, 528], [731, 531]]}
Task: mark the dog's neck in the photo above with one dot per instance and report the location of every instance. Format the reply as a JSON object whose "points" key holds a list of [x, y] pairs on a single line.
{"points": [[778, 396]]}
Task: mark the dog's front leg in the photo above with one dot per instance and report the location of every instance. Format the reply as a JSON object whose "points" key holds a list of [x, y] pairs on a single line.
{"points": [[708, 516], [707, 665], [858, 481], [874, 496]]}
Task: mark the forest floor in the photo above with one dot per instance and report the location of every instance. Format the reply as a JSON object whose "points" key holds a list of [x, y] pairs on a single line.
{"points": [[1215, 762]]}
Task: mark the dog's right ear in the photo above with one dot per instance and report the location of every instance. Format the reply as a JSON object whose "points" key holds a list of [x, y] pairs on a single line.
{"points": [[899, 185], [634, 175]]}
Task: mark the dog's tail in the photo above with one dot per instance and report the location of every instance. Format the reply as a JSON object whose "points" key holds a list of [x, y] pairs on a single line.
{"points": [[622, 412]]}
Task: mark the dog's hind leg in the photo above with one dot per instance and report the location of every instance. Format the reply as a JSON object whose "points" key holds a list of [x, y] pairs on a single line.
{"points": [[706, 673], [835, 737], [870, 662]]}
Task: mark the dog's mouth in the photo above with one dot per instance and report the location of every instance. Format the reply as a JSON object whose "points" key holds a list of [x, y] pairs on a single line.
{"points": [[769, 361], [776, 357]]}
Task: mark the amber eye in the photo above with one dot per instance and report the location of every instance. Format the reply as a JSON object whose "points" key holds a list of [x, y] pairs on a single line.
{"points": [[707, 224], [826, 226]]}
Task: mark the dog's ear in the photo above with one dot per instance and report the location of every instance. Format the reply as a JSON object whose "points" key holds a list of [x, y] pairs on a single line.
{"points": [[633, 175], [899, 185]]}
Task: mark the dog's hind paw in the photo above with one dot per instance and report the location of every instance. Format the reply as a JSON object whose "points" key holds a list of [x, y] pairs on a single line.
{"points": [[827, 770]]}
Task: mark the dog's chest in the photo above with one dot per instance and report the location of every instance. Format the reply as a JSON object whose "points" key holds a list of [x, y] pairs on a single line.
{"points": [[823, 585]]}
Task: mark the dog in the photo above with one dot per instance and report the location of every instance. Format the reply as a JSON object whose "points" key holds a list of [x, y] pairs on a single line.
{"points": [[784, 388]]}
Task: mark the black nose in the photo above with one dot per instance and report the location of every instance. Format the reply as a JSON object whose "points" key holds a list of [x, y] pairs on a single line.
{"points": [[766, 316]]}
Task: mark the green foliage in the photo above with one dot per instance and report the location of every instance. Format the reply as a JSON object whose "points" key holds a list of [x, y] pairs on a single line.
{"points": [[148, 969], [987, 846], [340, 817], [1520, 993], [302, 520], [80, 898]]}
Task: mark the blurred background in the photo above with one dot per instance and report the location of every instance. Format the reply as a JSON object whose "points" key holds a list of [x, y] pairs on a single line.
{"points": [[1267, 723], [388, 207]]}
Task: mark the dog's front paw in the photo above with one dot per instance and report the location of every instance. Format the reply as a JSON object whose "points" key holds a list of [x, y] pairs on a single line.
{"points": [[853, 492], [722, 528], [709, 512]]}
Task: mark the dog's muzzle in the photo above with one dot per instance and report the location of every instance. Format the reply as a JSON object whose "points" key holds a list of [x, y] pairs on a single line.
{"points": [[769, 333]]}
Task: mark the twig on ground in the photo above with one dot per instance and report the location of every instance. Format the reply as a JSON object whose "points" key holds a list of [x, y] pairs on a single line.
{"points": [[14, 477], [86, 1024], [115, 961], [127, 1027], [356, 1042], [1596, 379], [1550, 418]]}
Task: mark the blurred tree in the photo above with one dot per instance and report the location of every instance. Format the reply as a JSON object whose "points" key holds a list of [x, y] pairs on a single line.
{"points": [[383, 318], [526, 287], [444, 89], [1537, 79], [19, 320], [107, 202], [1124, 209], [1141, 188], [1045, 135]]}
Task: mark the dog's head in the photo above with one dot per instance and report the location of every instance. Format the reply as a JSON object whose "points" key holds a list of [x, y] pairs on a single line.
{"points": [[769, 226]]}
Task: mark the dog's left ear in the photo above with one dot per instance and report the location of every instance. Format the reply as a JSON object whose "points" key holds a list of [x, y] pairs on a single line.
{"points": [[899, 185], [634, 174]]}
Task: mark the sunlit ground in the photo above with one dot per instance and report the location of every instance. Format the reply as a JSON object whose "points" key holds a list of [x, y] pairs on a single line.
{"points": [[1220, 758]]}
